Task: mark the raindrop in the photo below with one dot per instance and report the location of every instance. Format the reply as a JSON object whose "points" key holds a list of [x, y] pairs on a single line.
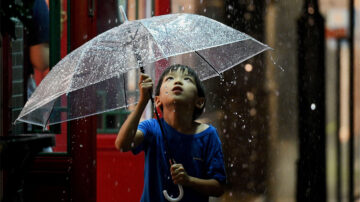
{"points": [[224, 131], [109, 21], [225, 117], [85, 36], [81, 146], [313, 106], [230, 7], [230, 194], [228, 16], [204, 10], [183, 8], [132, 145], [231, 165], [249, 140], [243, 127]]}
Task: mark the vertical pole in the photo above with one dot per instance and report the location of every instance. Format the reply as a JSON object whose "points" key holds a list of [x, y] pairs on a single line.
{"points": [[351, 101], [83, 131], [311, 179], [338, 143]]}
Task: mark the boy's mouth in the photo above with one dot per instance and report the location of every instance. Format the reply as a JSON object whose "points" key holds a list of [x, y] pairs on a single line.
{"points": [[177, 89]]}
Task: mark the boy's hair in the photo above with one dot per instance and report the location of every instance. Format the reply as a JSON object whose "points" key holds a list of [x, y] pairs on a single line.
{"points": [[191, 72]]}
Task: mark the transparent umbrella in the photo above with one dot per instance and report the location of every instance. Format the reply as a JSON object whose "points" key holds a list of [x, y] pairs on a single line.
{"points": [[100, 68], [102, 64]]}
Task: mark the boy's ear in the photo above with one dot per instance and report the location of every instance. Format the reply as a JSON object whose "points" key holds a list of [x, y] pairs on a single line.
{"points": [[200, 102], [157, 102]]}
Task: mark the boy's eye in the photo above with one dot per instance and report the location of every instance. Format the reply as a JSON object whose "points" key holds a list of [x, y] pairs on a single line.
{"points": [[188, 79], [169, 78]]}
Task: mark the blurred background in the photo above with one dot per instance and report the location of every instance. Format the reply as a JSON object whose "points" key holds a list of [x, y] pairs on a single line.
{"points": [[288, 119]]}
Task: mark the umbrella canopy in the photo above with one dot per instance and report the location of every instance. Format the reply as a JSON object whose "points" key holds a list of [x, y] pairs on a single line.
{"points": [[99, 69]]}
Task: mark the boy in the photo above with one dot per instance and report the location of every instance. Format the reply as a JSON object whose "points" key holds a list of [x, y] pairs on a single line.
{"points": [[196, 147]]}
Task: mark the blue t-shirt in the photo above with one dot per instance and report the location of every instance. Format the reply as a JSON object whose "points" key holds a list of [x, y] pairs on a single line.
{"points": [[200, 154]]}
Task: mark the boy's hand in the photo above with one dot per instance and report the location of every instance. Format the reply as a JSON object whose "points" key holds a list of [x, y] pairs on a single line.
{"points": [[179, 175], [145, 86]]}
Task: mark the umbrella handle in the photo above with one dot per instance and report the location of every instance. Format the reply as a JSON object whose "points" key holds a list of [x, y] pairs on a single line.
{"points": [[181, 194]]}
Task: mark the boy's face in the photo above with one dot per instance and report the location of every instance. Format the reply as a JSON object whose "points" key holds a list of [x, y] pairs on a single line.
{"points": [[179, 87]]}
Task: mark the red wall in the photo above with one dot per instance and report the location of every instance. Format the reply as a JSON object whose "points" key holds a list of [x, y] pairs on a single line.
{"points": [[120, 176]]}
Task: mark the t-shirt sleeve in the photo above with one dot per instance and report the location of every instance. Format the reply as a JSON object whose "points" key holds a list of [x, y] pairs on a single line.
{"points": [[215, 159], [146, 127], [39, 27]]}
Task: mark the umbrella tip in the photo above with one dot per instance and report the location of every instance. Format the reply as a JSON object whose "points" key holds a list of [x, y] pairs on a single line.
{"points": [[123, 14]]}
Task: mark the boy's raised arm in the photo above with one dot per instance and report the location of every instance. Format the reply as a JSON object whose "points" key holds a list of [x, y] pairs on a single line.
{"points": [[128, 136]]}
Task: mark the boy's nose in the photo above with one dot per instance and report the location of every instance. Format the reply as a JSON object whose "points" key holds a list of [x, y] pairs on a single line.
{"points": [[178, 82]]}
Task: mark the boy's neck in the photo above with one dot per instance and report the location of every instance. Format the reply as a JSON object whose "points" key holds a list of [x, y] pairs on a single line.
{"points": [[180, 118]]}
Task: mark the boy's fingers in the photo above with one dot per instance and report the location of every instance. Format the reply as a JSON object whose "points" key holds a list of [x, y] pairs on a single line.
{"points": [[143, 77]]}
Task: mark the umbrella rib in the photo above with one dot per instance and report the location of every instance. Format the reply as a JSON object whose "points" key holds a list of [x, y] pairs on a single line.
{"points": [[77, 65], [162, 51], [196, 53], [207, 62], [126, 104]]}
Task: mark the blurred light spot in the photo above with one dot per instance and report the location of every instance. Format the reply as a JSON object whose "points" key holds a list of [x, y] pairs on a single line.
{"points": [[248, 67], [252, 112], [81, 146], [250, 96], [313, 106], [311, 10]]}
